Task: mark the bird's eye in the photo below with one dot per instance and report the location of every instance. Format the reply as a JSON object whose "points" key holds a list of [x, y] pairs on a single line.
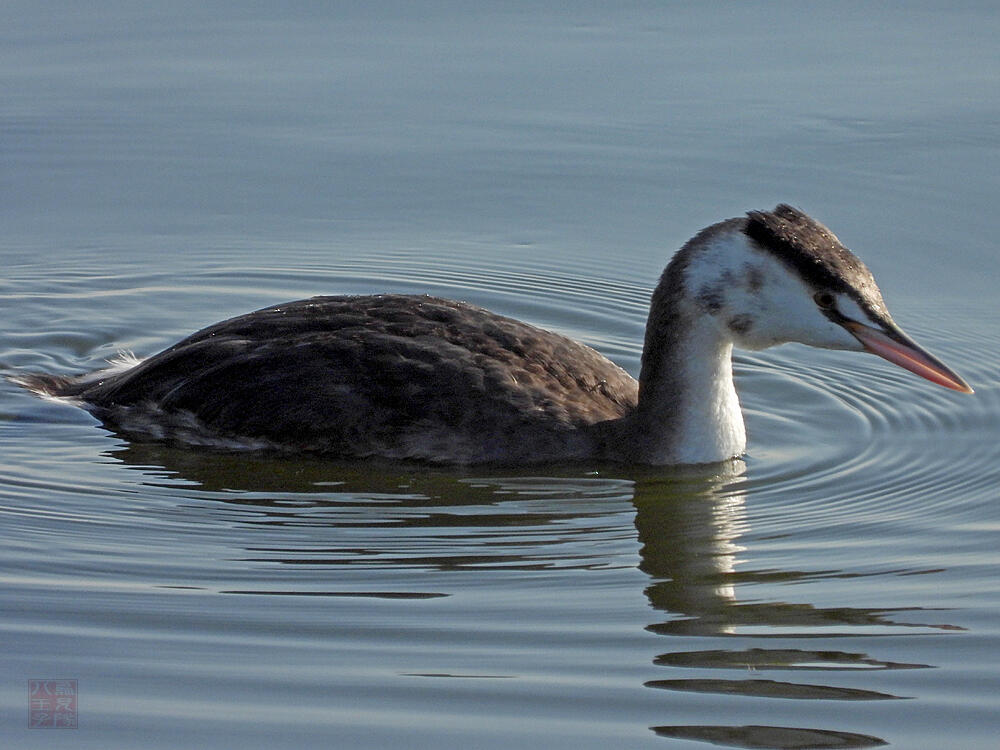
{"points": [[825, 300]]}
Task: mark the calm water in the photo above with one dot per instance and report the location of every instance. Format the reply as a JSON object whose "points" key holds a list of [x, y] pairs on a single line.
{"points": [[164, 168]]}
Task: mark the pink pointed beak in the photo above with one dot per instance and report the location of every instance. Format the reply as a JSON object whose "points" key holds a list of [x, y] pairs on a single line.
{"points": [[899, 349]]}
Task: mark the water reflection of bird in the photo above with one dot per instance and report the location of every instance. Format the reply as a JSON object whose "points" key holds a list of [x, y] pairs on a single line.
{"points": [[413, 377]]}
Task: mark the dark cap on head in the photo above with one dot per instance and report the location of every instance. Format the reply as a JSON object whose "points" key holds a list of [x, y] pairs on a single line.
{"points": [[815, 253]]}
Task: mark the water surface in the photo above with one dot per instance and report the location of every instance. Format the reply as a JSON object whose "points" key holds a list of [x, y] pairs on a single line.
{"points": [[166, 168]]}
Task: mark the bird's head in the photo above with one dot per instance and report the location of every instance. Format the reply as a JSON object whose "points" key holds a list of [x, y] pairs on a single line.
{"points": [[780, 276]]}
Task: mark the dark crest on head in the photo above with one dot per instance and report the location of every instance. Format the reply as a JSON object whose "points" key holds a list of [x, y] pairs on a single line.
{"points": [[815, 253]]}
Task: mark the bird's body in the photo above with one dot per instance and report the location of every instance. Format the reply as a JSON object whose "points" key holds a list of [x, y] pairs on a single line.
{"points": [[415, 377], [395, 376]]}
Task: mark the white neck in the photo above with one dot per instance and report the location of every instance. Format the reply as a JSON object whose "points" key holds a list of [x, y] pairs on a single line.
{"points": [[690, 413]]}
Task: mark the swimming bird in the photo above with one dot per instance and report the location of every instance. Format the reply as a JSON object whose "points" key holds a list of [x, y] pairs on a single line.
{"points": [[435, 380]]}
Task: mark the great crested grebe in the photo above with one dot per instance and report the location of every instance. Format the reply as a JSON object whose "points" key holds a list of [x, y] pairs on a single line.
{"points": [[415, 377]]}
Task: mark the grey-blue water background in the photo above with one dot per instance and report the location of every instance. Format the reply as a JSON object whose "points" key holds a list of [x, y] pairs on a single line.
{"points": [[167, 165]]}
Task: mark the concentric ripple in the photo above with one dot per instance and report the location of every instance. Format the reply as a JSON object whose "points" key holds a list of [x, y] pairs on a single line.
{"points": [[870, 441]]}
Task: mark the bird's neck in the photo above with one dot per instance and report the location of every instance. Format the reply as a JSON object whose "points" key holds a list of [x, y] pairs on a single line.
{"points": [[688, 410]]}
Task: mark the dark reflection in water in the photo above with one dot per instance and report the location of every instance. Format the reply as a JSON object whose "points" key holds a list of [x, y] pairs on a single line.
{"points": [[690, 548], [689, 526], [758, 659], [352, 594], [399, 516], [770, 689], [792, 738]]}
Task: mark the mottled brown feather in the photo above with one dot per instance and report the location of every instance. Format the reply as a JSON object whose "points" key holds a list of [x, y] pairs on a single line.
{"points": [[390, 375]]}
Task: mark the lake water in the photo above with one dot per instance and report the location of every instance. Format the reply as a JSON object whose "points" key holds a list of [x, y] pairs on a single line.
{"points": [[165, 166]]}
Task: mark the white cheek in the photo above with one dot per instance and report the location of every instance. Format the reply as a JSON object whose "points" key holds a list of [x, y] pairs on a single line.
{"points": [[850, 309], [756, 301], [832, 336], [720, 266], [786, 312]]}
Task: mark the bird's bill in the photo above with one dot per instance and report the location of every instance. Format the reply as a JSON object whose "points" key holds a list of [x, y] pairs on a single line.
{"points": [[901, 350]]}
